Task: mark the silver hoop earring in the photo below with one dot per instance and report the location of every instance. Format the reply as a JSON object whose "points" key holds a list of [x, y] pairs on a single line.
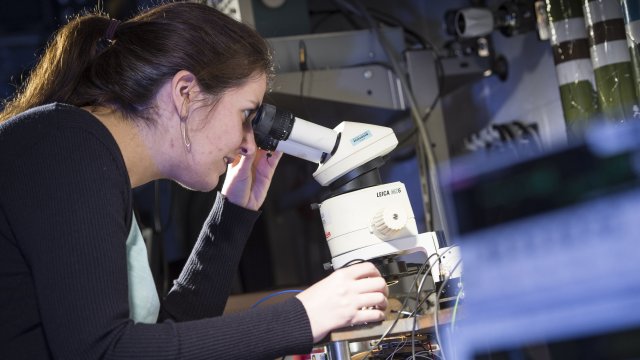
{"points": [[185, 134]]}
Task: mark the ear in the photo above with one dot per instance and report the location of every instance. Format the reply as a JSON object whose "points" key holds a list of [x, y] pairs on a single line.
{"points": [[183, 87]]}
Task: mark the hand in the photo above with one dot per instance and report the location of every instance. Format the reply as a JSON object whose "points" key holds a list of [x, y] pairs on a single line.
{"points": [[353, 295], [248, 178]]}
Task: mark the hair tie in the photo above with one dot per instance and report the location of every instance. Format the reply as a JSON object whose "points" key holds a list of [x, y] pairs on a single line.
{"points": [[111, 30], [107, 40]]}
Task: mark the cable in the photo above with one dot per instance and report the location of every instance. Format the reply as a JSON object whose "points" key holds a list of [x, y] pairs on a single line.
{"points": [[398, 347], [424, 299], [326, 16], [425, 185], [426, 44], [427, 113], [530, 133], [415, 112], [419, 356], [404, 303], [424, 268], [274, 295], [415, 311], [506, 138], [455, 307], [353, 262], [410, 135], [429, 353], [415, 314], [435, 313], [390, 20]]}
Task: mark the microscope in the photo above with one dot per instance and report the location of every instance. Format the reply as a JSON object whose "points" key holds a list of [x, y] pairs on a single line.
{"points": [[363, 218]]}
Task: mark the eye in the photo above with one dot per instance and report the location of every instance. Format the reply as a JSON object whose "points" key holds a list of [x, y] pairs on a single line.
{"points": [[249, 115]]}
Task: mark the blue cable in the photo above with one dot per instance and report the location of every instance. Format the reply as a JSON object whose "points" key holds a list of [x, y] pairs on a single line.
{"points": [[274, 294]]}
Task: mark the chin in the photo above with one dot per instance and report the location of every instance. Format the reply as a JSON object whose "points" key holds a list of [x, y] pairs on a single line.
{"points": [[203, 186], [206, 187]]}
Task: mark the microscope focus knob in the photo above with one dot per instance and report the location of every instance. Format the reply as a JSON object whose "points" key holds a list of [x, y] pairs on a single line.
{"points": [[389, 220]]}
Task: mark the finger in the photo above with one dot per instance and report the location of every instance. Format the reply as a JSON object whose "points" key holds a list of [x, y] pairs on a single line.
{"points": [[361, 270], [242, 162], [372, 284], [373, 300], [275, 157], [367, 316], [266, 162]]}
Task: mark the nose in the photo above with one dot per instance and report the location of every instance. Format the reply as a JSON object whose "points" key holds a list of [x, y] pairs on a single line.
{"points": [[248, 145]]}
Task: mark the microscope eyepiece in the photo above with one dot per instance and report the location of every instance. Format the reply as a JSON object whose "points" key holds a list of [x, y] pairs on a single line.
{"points": [[280, 130], [272, 125]]}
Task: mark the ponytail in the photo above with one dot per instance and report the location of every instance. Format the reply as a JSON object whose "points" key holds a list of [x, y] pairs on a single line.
{"points": [[58, 72]]}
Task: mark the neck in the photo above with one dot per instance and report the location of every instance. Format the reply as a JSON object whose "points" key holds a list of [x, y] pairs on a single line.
{"points": [[129, 137]]}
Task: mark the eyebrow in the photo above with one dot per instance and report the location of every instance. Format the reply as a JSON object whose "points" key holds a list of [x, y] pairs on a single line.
{"points": [[256, 105]]}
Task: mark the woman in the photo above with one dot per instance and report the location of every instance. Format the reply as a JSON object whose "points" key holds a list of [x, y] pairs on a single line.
{"points": [[111, 106]]}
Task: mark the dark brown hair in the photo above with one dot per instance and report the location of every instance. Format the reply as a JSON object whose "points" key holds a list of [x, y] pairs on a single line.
{"points": [[147, 50]]}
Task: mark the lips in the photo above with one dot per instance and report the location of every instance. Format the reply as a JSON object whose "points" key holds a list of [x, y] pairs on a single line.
{"points": [[228, 160]]}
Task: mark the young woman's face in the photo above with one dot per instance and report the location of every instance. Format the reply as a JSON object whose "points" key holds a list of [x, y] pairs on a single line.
{"points": [[219, 133]]}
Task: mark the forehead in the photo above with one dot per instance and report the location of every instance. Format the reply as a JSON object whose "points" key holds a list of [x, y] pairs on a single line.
{"points": [[255, 86]]}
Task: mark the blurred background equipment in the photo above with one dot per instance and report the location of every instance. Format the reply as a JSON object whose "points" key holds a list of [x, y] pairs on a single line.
{"points": [[540, 238], [510, 18], [270, 17], [576, 79], [631, 11], [611, 60]]}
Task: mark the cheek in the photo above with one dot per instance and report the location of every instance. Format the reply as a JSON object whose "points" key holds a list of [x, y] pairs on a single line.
{"points": [[232, 140], [215, 151], [224, 139], [213, 144]]}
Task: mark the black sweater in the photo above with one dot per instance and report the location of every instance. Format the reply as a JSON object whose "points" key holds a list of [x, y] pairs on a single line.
{"points": [[65, 214]]}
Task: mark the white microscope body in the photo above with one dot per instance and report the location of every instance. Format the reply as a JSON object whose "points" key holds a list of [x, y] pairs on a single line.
{"points": [[363, 219]]}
